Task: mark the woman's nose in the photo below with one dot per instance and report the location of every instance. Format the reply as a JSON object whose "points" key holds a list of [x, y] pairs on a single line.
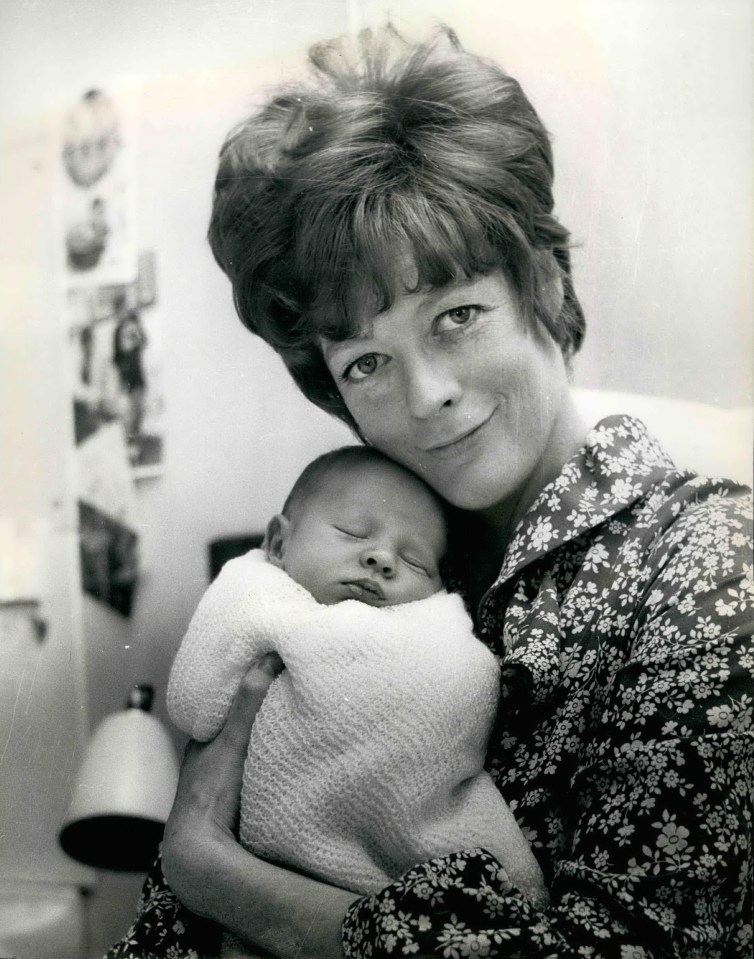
{"points": [[379, 561], [430, 385]]}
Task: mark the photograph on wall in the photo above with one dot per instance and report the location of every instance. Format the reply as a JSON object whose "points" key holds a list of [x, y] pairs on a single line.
{"points": [[113, 338], [107, 514], [109, 559], [98, 192]]}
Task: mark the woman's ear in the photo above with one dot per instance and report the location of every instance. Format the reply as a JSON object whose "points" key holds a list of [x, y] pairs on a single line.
{"points": [[276, 538]]}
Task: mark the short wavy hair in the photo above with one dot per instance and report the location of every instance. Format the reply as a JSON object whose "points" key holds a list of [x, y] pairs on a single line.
{"points": [[391, 146]]}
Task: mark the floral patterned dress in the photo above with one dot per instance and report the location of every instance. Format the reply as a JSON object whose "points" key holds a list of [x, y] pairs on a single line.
{"points": [[623, 619]]}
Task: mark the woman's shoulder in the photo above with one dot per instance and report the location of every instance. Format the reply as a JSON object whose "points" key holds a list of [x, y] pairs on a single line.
{"points": [[698, 585], [691, 534], [708, 439], [683, 507], [626, 470]]}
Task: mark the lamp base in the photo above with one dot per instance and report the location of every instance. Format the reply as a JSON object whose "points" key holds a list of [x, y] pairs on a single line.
{"points": [[121, 843]]}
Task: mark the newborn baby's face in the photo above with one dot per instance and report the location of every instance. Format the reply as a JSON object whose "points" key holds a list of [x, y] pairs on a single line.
{"points": [[372, 533]]}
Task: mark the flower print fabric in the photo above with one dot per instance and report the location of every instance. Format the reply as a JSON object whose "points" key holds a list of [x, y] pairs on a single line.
{"points": [[623, 620], [164, 928]]}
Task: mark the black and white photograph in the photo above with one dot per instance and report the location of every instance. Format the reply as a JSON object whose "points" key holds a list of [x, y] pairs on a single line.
{"points": [[117, 367], [98, 190], [376, 444]]}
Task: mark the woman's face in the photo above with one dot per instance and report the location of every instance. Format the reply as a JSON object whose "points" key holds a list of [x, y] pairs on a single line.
{"points": [[453, 384]]}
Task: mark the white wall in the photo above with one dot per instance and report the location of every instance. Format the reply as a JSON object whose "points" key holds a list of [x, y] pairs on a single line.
{"points": [[230, 448], [649, 103], [236, 429]]}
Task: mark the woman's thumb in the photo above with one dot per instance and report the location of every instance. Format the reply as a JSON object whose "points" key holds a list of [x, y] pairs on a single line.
{"points": [[250, 696]]}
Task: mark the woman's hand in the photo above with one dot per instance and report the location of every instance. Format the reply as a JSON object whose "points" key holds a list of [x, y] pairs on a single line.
{"points": [[205, 811], [268, 906]]}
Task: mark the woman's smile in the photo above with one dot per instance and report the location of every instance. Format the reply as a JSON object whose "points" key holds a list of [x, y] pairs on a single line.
{"points": [[463, 443]]}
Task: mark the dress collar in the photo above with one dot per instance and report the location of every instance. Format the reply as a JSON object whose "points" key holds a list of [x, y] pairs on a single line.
{"points": [[618, 463]]}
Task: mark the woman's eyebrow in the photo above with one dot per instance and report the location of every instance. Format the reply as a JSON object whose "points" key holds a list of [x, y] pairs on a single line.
{"points": [[454, 288], [424, 300], [331, 348]]}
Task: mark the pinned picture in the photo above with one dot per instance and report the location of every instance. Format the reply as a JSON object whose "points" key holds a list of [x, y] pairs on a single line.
{"points": [[108, 538], [98, 192], [116, 369]]}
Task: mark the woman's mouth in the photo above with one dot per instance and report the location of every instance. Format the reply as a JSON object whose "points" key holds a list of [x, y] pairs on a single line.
{"points": [[459, 443], [365, 590]]}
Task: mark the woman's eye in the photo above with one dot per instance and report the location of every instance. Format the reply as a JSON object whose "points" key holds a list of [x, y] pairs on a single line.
{"points": [[458, 316], [363, 367]]}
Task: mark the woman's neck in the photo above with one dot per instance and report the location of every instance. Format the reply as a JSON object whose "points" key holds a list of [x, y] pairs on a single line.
{"points": [[491, 529]]}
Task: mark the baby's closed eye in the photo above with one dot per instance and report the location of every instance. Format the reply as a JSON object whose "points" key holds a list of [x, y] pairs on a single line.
{"points": [[353, 533], [418, 564]]}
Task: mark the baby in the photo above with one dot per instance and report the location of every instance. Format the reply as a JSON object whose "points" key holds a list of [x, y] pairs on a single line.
{"points": [[367, 754]]}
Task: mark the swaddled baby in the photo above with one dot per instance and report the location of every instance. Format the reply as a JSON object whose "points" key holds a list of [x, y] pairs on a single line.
{"points": [[367, 754]]}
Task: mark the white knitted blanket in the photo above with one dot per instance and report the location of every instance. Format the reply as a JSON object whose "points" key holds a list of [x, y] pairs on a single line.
{"points": [[367, 754]]}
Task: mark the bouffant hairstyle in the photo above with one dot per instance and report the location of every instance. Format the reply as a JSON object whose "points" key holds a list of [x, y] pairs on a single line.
{"points": [[425, 150]]}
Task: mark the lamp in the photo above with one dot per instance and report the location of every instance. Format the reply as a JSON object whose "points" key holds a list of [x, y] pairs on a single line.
{"points": [[124, 790]]}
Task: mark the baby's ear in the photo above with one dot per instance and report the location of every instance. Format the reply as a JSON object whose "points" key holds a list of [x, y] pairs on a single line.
{"points": [[276, 538]]}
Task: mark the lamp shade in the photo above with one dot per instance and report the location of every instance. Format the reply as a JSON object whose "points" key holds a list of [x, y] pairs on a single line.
{"points": [[124, 790]]}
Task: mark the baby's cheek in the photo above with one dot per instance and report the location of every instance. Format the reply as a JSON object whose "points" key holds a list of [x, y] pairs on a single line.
{"points": [[429, 586]]}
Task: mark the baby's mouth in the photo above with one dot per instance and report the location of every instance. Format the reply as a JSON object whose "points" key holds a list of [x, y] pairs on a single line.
{"points": [[366, 590]]}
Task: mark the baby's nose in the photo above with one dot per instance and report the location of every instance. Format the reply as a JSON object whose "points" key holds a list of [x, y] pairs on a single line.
{"points": [[380, 561]]}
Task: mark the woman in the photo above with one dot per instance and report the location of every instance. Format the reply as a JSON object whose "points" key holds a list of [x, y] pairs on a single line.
{"points": [[389, 230]]}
